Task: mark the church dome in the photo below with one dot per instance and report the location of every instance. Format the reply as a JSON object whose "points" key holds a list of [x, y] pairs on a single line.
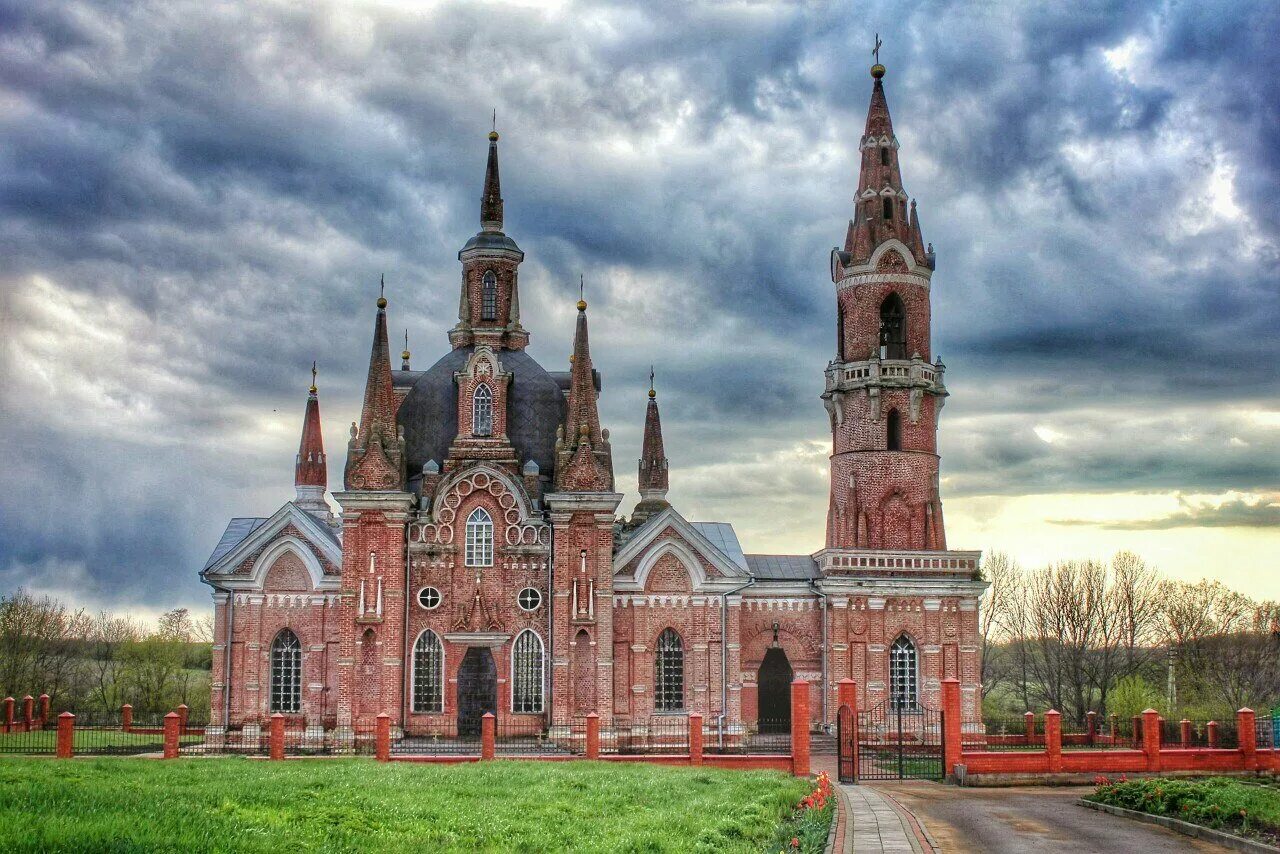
{"points": [[535, 409]]}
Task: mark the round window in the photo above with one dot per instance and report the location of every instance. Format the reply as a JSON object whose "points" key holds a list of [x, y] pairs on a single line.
{"points": [[429, 598], [529, 599]]}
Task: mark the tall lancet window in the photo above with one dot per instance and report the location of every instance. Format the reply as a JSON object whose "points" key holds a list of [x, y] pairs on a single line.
{"points": [[526, 667], [668, 665], [902, 674], [286, 673], [482, 411], [479, 538], [428, 673], [893, 328], [489, 296]]}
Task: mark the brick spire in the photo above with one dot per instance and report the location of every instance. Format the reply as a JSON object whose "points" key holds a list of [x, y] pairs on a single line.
{"points": [[653, 464], [311, 471], [491, 201], [584, 460], [375, 454]]}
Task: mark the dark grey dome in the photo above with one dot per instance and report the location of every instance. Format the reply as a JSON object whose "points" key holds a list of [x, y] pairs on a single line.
{"points": [[491, 240], [535, 408]]}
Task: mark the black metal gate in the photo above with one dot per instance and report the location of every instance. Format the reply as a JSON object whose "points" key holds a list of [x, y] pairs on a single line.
{"points": [[846, 745], [892, 742]]}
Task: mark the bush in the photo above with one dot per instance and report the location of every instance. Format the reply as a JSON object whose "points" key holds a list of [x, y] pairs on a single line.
{"points": [[1218, 803]]}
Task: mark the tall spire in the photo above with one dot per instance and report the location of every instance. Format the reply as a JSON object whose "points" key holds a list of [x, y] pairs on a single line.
{"points": [[375, 454], [584, 460], [653, 463], [310, 471], [491, 201]]}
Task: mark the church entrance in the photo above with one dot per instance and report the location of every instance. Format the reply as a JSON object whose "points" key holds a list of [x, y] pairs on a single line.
{"points": [[477, 689], [774, 691]]}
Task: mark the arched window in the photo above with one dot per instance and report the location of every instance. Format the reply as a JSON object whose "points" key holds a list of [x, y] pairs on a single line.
{"points": [[839, 330], [884, 156], [893, 328], [489, 296], [888, 208], [893, 431], [526, 667], [668, 665], [286, 673], [428, 673], [902, 673], [479, 538], [482, 411]]}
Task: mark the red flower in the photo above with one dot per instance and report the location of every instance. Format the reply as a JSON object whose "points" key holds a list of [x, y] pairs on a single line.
{"points": [[795, 842]]}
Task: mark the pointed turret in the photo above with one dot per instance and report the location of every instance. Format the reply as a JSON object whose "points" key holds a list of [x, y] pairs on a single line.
{"points": [[653, 464], [491, 201], [375, 454], [311, 471], [584, 458]]}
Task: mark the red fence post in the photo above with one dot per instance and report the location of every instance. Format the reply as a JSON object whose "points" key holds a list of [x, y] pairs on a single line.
{"points": [[126, 717], [800, 728], [1212, 730], [275, 739], [950, 725], [66, 735], [695, 738], [1053, 739], [44, 710], [28, 712], [171, 735], [1151, 738], [593, 736], [8, 714], [382, 737], [183, 711], [1031, 727], [1248, 738], [488, 734], [1091, 725], [1184, 732]]}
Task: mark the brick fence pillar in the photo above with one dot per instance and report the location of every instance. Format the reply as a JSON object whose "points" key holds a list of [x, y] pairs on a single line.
{"points": [[1211, 730], [1151, 738], [66, 735], [847, 695], [488, 735], [126, 717], [1248, 738], [800, 728], [1184, 733], [44, 710], [1030, 718], [28, 712], [275, 739], [593, 736], [382, 737], [171, 735], [695, 738], [951, 725], [183, 712], [8, 714], [1091, 725], [1053, 739]]}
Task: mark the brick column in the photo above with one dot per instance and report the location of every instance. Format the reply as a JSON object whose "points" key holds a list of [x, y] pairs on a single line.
{"points": [[1248, 738], [382, 737], [66, 735], [593, 736], [951, 720], [1212, 730], [488, 734], [1091, 725], [1184, 727], [28, 712], [275, 739], [183, 711], [800, 728], [1053, 739], [171, 735], [695, 739], [1151, 738], [8, 714], [44, 710], [847, 695], [1030, 718], [126, 717]]}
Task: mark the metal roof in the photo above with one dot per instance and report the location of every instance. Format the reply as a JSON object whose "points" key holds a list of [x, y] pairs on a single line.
{"points": [[782, 567], [237, 530], [723, 537]]}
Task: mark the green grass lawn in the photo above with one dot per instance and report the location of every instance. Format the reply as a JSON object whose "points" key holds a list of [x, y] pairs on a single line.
{"points": [[351, 804], [1244, 808]]}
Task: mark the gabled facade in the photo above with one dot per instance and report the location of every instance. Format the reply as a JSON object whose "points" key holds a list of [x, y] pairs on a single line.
{"points": [[479, 563]]}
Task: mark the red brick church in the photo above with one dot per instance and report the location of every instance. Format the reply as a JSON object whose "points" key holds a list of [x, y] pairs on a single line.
{"points": [[480, 563]]}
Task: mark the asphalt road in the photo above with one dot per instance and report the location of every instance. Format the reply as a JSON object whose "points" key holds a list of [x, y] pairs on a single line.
{"points": [[1042, 820]]}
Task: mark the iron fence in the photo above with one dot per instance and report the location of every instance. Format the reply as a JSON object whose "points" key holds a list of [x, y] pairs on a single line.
{"points": [[658, 734], [38, 740]]}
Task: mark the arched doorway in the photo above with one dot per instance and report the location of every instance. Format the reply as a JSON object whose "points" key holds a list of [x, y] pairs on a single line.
{"points": [[477, 689], [774, 691]]}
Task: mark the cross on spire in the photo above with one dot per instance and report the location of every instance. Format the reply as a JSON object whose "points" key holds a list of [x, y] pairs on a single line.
{"points": [[651, 379], [875, 51], [313, 376]]}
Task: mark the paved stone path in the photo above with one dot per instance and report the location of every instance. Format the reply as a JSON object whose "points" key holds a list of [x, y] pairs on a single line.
{"points": [[875, 825]]}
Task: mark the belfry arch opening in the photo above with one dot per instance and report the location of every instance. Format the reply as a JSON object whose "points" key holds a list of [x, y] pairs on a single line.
{"points": [[893, 328], [893, 431]]}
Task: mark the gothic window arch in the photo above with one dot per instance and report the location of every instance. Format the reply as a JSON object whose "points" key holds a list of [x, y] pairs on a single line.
{"points": [[893, 431], [668, 665], [903, 674], [893, 328], [489, 296], [479, 538], [888, 208], [428, 673], [527, 672], [286, 673], [482, 411], [884, 155]]}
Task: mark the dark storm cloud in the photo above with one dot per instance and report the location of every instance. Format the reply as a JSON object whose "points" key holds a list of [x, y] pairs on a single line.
{"points": [[197, 200], [1262, 513]]}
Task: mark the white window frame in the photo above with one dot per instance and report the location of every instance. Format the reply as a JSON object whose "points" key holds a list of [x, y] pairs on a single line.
{"points": [[283, 683], [437, 678], [909, 700], [489, 295], [479, 538], [482, 411], [439, 598], [520, 604], [538, 707]]}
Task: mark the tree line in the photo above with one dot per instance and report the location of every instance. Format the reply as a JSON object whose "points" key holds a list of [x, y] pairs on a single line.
{"points": [[94, 663], [1117, 637]]}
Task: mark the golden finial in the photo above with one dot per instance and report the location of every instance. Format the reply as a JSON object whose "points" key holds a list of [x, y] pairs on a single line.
{"points": [[652, 393], [382, 292], [877, 70], [313, 377], [405, 354], [582, 303]]}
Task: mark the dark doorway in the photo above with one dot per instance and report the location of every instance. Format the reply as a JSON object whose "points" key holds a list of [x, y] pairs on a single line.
{"points": [[774, 699], [477, 689]]}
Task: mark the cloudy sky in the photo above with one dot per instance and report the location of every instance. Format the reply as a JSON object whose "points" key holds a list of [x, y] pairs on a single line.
{"points": [[197, 199]]}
